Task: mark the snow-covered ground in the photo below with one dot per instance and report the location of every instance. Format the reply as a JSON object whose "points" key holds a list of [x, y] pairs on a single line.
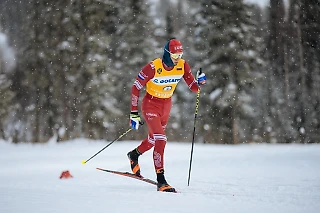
{"points": [[245, 178]]}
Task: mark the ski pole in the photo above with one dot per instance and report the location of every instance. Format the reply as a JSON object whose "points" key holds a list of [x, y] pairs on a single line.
{"points": [[123, 134], [194, 130]]}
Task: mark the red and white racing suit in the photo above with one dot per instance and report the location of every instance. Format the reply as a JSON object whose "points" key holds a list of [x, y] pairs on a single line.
{"points": [[160, 82]]}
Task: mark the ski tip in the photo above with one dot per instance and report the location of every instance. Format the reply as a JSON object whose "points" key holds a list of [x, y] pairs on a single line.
{"points": [[99, 168]]}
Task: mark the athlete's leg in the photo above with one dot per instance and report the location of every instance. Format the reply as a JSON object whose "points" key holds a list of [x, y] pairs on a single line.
{"points": [[156, 118], [165, 114], [157, 137], [146, 144], [166, 108]]}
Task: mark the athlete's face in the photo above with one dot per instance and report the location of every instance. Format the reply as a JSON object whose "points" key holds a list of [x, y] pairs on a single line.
{"points": [[176, 57], [175, 61]]}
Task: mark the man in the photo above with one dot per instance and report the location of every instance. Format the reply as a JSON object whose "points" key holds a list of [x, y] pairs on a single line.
{"points": [[160, 77]]}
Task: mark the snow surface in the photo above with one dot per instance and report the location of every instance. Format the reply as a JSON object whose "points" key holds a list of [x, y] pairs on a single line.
{"points": [[254, 178]]}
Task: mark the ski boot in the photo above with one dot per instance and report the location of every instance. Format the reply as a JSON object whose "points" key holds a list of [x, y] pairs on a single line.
{"points": [[133, 157], [163, 186]]}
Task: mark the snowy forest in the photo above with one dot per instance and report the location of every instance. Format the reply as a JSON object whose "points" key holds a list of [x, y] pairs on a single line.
{"points": [[67, 68]]}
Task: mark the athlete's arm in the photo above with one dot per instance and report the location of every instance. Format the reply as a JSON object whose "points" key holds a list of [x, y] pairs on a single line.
{"points": [[189, 78], [143, 77]]}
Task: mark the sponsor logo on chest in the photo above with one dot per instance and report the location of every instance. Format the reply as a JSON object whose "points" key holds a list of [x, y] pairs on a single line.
{"points": [[166, 80]]}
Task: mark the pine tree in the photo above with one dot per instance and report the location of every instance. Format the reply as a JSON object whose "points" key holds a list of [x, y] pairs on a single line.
{"points": [[6, 93], [303, 30], [132, 46], [278, 125], [310, 36], [66, 61], [227, 51]]}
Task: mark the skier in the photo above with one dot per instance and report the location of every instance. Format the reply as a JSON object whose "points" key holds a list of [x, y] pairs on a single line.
{"points": [[160, 77]]}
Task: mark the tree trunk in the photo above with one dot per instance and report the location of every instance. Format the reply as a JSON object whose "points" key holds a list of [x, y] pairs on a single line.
{"points": [[302, 82], [235, 127]]}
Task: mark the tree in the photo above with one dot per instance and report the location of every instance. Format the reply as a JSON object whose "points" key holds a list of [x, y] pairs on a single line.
{"points": [[303, 30], [310, 40], [227, 49], [132, 46], [66, 61], [6, 94]]}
